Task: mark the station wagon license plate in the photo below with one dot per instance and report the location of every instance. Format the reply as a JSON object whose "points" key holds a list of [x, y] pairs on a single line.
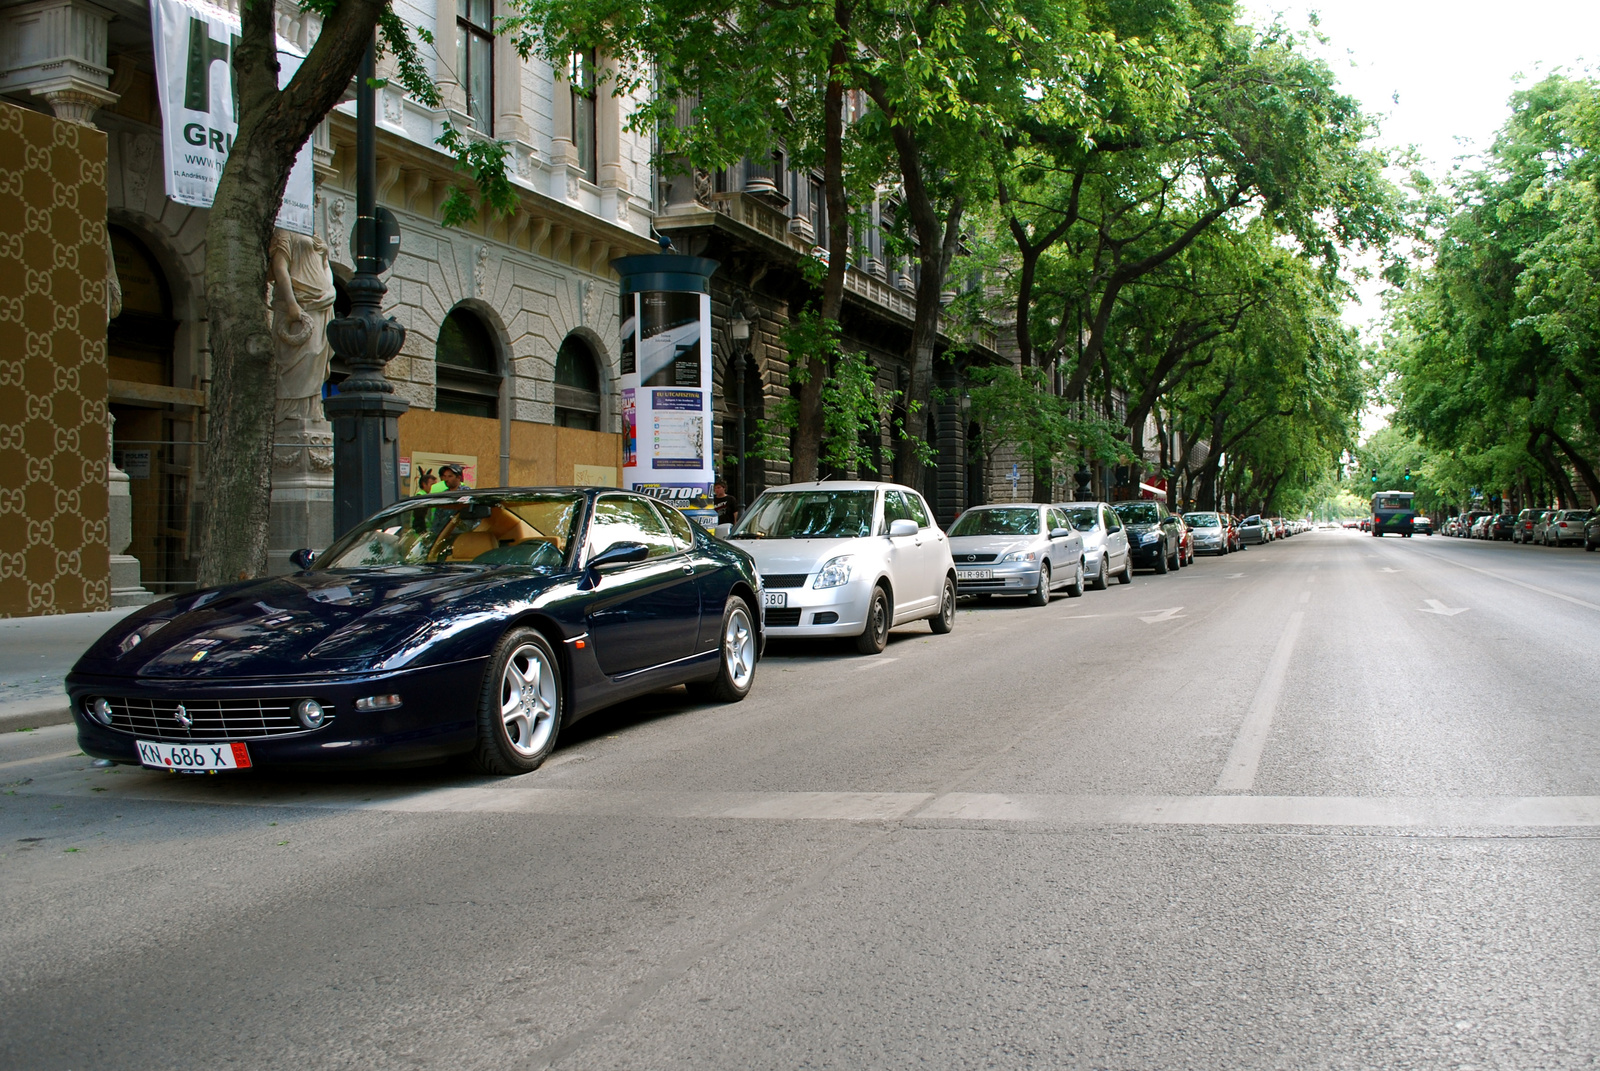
{"points": [[976, 574], [193, 757], [775, 600]]}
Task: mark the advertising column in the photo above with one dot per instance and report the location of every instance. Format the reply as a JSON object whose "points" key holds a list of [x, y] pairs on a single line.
{"points": [[666, 380]]}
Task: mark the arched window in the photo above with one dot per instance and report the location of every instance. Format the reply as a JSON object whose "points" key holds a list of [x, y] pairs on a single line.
{"points": [[468, 367], [577, 386]]}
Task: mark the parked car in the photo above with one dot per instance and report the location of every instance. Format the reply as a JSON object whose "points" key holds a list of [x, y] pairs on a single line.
{"points": [[1480, 527], [1105, 542], [1591, 529], [1153, 534], [1253, 529], [1468, 519], [1231, 524], [1210, 532], [475, 624], [1523, 530], [848, 559], [1565, 526], [1422, 524], [1024, 549], [1541, 522], [1185, 541], [1501, 525]]}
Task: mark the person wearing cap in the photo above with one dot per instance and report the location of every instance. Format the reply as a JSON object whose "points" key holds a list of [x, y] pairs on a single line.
{"points": [[449, 479]]}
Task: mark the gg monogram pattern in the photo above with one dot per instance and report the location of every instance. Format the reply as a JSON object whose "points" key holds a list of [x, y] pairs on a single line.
{"points": [[54, 553]]}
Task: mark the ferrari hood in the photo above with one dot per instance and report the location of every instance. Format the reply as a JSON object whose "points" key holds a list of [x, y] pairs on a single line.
{"points": [[309, 622]]}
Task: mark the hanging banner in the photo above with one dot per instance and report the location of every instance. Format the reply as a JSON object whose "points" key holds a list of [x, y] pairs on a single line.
{"points": [[194, 45], [666, 380]]}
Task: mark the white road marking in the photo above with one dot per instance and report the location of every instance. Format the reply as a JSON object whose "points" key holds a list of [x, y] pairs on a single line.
{"points": [[913, 808], [1239, 773], [1386, 569], [875, 663], [1234, 576], [1437, 607], [40, 758], [1518, 583], [1162, 615]]}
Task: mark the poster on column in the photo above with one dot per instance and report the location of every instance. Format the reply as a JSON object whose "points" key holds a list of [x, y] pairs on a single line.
{"points": [[194, 45], [667, 399]]}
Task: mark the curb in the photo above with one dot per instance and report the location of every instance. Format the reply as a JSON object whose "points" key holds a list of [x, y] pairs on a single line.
{"points": [[12, 720]]}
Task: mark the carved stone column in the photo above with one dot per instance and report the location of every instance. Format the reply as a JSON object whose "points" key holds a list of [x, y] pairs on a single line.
{"points": [[56, 49]]}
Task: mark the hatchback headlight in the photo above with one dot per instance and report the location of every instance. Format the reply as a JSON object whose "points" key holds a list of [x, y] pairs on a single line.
{"points": [[835, 572], [1020, 556], [1148, 537]]}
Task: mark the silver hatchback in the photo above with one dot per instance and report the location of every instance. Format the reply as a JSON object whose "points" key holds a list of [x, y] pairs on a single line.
{"points": [[1023, 549], [1105, 542]]}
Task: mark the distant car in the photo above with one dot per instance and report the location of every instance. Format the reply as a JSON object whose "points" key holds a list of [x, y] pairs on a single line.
{"points": [[1024, 549], [1185, 541], [1153, 534], [1253, 529], [1540, 524], [1422, 524], [1210, 532], [1522, 532], [1591, 529], [848, 558], [474, 624], [1502, 525], [1480, 527], [1565, 526], [1468, 522], [1105, 542]]}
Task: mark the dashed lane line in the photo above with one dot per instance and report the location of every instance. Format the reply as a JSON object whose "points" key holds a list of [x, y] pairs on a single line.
{"points": [[1239, 773]]}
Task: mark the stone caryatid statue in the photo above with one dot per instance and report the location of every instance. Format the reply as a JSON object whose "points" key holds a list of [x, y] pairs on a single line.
{"points": [[302, 438], [302, 305]]}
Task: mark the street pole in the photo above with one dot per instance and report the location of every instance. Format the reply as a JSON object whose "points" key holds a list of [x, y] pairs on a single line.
{"points": [[365, 413]]}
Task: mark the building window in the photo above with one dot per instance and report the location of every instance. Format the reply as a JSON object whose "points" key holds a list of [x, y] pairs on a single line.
{"points": [[817, 205], [577, 386], [475, 59], [584, 113], [468, 367]]}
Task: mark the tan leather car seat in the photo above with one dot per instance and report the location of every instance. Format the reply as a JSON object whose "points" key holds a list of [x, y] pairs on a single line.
{"points": [[468, 545]]}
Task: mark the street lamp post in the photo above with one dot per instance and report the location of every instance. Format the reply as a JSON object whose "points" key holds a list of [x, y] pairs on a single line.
{"points": [[365, 413]]}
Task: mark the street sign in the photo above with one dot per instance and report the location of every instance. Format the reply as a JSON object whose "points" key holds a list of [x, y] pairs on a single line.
{"points": [[388, 239]]}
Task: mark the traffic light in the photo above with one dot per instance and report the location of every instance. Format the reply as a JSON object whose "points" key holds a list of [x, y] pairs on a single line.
{"points": [[1374, 475], [1408, 475]]}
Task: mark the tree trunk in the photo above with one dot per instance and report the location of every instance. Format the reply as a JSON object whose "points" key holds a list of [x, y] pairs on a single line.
{"points": [[935, 257], [809, 422], [1580, 464], [273, 125]]}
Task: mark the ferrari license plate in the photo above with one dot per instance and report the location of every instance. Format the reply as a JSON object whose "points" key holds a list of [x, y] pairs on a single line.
{"points": [[192, 757], [977, 574], [776, 600]]}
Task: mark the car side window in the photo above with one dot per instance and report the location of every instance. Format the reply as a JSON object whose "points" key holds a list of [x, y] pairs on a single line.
{"points": [[895, 509], [682, 532], [919, 509], [1058, 520], [1109, 517], [625, 519]]}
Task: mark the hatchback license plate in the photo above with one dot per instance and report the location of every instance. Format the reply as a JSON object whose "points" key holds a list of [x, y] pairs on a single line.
{"points": [[776, 600], [977, 574], [193, 757]]}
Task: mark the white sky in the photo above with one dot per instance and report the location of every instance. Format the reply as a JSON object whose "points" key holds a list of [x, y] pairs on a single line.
{"points": [[1438, 73]]}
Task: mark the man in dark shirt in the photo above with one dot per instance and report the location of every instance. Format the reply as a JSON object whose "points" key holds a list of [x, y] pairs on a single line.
{"points": [[727, 504]]}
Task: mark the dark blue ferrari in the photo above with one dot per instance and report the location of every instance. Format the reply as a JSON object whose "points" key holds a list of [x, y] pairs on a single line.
{"points": [[475, 623]]}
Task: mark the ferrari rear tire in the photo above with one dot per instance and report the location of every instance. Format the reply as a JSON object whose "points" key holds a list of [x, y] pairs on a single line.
{"points": [[736, 669], [519, 705]]}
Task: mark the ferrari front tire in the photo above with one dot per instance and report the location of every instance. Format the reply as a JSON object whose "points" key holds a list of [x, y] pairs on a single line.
{"points": [[519, 705]]}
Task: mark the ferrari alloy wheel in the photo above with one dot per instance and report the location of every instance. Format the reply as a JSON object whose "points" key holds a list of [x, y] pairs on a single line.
{"points": [[519, 712], [736, 670]]}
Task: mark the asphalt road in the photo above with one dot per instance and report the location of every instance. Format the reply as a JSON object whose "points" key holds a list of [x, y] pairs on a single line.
{"points": [[1332, 802]]}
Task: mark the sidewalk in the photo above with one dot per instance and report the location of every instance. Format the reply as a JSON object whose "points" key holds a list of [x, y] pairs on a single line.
{"points": [[35, 655]]}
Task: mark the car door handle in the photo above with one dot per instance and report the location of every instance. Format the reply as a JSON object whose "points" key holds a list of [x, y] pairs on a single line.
{"points": [[688, 568]]}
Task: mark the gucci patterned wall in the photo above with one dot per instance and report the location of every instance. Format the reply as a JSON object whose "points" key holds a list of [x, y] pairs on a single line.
{"points": [[54, 557]]}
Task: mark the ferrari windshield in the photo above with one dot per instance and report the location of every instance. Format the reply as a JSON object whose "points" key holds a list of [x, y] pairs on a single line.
{"points": [[808, 515], [533, 531], [997, 522]]}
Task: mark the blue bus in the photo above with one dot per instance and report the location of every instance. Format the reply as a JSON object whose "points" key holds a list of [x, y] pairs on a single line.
{"points": [[1392, 512]]}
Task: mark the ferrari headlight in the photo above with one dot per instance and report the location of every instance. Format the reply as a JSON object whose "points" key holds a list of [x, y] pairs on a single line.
{"points": [[835, 572], [140, 634], [1020, 556]]}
